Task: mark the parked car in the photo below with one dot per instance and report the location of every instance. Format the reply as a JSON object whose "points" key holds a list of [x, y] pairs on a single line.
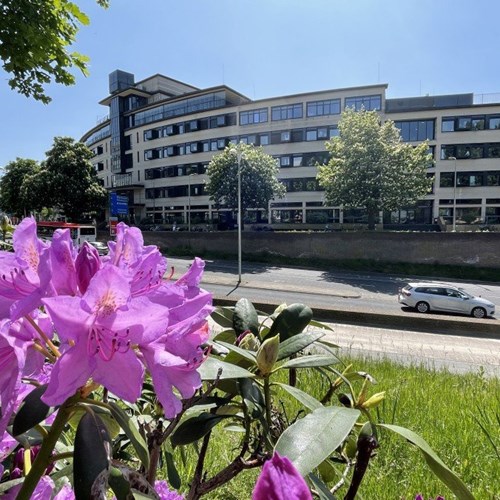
{"points": [[425, 297], [101, 247]]}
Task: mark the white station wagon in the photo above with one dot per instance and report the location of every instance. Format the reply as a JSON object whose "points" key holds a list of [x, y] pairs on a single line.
{"points": [[425, 297]]}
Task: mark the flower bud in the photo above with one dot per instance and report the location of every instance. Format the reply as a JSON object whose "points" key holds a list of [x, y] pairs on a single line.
{"points": [[250, 342], [267, 355], [375, 400], [87, 264]]}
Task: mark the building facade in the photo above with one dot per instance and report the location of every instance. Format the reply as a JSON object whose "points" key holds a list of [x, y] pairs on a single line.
{"points": [[160, 135]]}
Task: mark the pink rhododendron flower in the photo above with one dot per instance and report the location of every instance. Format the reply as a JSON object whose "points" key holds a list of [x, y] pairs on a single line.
{"points": [[25, 275], [87, 263], [104, 325], [280, 480], [165, 493]]}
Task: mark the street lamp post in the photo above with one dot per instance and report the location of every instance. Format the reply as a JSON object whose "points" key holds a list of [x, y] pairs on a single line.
{"points": [[239, 156], [189, 202], [454, 192]]}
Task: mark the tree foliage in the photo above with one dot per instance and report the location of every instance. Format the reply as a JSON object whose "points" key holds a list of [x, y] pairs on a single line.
{"points": [[371, 168], [67, 180], [259, 184], [34, 40], [13, 198]]}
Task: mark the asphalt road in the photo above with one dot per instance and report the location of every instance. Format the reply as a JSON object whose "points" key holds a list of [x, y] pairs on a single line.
{"points": [[368, 292]]}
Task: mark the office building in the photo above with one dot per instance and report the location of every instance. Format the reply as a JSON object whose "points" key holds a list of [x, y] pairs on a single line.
{"points": [[160, 135]]}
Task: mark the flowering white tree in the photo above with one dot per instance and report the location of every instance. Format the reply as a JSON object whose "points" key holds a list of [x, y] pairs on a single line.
{"points": [[370, 167], [258, 170]]}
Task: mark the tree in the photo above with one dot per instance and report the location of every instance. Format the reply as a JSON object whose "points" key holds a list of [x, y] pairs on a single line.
{"points": [[258, 173], [67, 180], [13, 199], [34, 38], [371, 168]]}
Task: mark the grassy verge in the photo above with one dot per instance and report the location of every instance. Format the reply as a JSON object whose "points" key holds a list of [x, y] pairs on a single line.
{"points": [[386, 267], [458, 415]]}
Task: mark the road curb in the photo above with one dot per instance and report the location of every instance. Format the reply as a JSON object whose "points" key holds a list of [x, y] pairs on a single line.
{"points": [[488, 328]]}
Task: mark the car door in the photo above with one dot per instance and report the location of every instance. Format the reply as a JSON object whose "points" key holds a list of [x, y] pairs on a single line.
{"points": [[439, 298], [455, 301]]}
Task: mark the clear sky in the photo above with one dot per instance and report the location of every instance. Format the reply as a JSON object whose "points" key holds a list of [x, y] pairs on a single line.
{"points": [[264, 48]]}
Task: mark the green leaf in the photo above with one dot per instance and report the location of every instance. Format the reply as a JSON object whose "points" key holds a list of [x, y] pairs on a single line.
{"points": [[211, 366], [252, 397], [173, 476], [310, 361], [448, 477], [291, 321], [245, 317], [92, 454], [104, 414], [315, 437], [119, 485], [31, 412], [244, 353], [140, 446], [223, 316], [297, 343], [195, 428], [225, 336], [321, 488], [303, 397]]}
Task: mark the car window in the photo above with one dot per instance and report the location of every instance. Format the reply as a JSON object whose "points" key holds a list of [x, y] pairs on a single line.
{"points": [[452, 293]]}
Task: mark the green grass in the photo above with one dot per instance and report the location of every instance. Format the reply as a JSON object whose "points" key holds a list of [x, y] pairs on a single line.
{"points": [[386, 267], [458, 415]]}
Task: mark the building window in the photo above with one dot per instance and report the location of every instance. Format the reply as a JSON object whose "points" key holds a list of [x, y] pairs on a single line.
{"points": [[285, 136], [333, 131], [494, 123], [368, 102], [469, 179], [416, 130], [297, 161], [323, 108], [254, 116], [290, 112], [312, 135], [493, 179], [284, 161], [446, 179], [264, 139]]}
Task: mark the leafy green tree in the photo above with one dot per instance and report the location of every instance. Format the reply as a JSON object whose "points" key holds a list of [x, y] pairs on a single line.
{"points": [[371, 168], [34, 40], [68, 180], [258, 171], [13, 199]]}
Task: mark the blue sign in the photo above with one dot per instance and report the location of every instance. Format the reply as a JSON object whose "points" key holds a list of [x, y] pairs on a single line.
{"points": [[119, 204]]}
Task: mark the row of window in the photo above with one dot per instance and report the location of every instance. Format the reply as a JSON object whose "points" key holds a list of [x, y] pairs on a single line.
{"points": [[190, 126], [416, 130], [175, 191], [279, 137], [470, 201], [301, 184], [470, 151], [469, 179], [314, 108], [467, 123], [175, 171], [302, 160]]}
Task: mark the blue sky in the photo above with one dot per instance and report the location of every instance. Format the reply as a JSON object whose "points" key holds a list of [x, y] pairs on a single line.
{"points": [[264, 48]]}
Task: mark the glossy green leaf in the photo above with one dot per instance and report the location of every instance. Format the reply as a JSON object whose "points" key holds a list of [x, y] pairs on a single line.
{"points": [[31, 412], [310, 361], [223, 316], [245, 317], [119, 485], [195, 428], [321, 488], [244, 353], [104, 414], [174, 479], [291, 321], [225, 336], [92, 454], [303, 397], [211, 366], [448, 477], [297, 343], [315, 437], [252, 397], [132, 433]]}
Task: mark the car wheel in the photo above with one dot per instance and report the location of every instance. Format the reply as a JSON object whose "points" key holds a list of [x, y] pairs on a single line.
{"points": [[422, 307], [478, 312]]}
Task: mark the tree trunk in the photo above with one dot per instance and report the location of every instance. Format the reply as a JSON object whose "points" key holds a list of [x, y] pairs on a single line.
{"points": [[372, 216]]}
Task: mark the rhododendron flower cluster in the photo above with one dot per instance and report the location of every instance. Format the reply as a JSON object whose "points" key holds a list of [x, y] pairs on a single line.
{"points": [[97, 320]]}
